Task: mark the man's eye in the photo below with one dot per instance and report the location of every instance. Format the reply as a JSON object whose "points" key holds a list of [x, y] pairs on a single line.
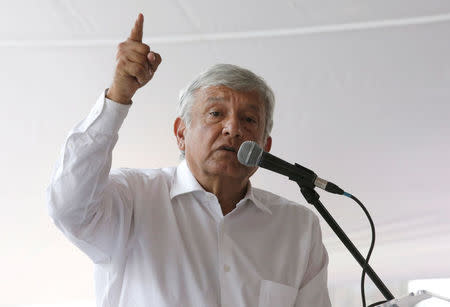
{"points": [[214, 113], [250, 120]]}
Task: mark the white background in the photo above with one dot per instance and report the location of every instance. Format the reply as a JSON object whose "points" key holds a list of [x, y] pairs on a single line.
{"points": [[362, 89]]}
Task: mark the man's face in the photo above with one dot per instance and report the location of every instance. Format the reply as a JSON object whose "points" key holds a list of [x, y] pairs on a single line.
{"points": [[221, 120]]}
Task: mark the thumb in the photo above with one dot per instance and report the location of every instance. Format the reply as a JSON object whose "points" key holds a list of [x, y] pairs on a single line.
{"points": [[138, 29]]}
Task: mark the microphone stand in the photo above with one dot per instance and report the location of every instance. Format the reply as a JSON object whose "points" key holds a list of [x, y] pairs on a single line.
{"points": [[312, 197], [306, 179]]}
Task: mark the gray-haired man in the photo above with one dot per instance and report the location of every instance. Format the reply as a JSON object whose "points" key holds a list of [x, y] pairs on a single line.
{"points": [[198, 234]]}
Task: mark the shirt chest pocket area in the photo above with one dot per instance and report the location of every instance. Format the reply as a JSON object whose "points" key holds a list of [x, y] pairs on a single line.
{"points": [[275, 294]]}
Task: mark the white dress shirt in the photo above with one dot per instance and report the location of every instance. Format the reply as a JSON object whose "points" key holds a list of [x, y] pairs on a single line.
{"points": [[157, 238]]}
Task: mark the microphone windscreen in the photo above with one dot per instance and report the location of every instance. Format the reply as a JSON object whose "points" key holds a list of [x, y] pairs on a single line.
{"points": [[249, 153]]}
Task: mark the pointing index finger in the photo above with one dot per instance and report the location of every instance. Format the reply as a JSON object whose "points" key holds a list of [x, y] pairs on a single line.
{"points": [[138, 29]]}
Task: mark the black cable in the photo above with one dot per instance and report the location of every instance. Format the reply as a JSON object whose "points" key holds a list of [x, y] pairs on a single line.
{"points": [[372, 245], [377, 303], [312, 197]]}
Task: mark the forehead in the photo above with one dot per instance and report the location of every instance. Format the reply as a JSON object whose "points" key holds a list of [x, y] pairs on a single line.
{"points": [[221, 94]]}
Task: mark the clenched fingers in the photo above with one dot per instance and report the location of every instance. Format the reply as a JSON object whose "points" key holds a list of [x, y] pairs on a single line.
{"points": [[136, 70], [130, 45], [138, 58], [154, 59]]}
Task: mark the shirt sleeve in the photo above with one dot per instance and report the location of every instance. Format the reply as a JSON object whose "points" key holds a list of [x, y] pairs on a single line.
{"points": [[313, 289], [90, 204]]}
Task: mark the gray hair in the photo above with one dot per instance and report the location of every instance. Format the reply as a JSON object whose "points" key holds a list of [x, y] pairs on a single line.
{"points": [[234, 77]]}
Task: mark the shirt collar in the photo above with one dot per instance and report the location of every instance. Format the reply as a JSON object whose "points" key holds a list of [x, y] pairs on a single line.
{"points": [[184, 182], [250, 195]]}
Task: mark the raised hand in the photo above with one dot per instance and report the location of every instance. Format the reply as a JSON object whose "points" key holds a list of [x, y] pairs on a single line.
{"points": [[136, 65]]}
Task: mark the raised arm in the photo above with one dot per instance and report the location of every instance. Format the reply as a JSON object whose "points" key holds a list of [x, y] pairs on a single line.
{"points": [[92, 205]]}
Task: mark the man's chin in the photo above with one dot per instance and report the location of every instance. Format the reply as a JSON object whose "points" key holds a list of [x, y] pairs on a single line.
{"points": [[230, 168]]}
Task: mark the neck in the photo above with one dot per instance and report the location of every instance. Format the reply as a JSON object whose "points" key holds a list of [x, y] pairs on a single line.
{"points": [[229, 191]]}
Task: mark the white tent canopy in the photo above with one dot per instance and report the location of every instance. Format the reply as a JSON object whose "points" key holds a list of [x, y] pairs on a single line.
{"points": [[362, 92]]}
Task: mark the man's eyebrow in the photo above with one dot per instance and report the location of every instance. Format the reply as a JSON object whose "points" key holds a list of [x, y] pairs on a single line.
{"points": [[253, 106], [211, 100]]}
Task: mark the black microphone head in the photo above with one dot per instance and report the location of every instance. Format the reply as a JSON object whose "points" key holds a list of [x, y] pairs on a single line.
{"points": [[249, 153]]}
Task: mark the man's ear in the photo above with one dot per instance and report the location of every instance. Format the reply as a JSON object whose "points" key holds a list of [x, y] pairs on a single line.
{"points": [[268, 145], [179, 129]]}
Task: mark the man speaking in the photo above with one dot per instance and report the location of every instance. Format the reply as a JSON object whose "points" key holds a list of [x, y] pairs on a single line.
{"points": [[198, 235]]}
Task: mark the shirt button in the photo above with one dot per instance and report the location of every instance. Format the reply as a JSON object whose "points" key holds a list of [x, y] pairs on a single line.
{"points": [[226, 268]]}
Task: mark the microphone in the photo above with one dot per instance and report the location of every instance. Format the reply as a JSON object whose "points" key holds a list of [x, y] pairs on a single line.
{"points": [[250, 154]]}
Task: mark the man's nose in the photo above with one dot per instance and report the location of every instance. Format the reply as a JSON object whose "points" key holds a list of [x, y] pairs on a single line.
{"points": [[232, 127]]}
